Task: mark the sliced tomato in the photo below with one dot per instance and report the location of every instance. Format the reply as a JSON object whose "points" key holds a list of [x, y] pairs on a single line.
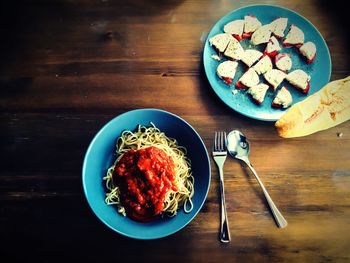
{"points": [[309, 61], [246, 35], [271, 54], [239, 85], [238, 37], [227, 80]]}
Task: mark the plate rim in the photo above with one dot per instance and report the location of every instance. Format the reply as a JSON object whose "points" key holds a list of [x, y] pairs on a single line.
{"points": [[206, 46], [89, 149]]}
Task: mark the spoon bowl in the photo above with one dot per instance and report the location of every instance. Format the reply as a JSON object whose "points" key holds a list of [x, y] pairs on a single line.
{"points": [[237, 144]]}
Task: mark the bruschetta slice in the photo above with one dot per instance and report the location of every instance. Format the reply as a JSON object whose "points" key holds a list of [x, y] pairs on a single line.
{"points": [[308, 50], [251, 56], [235, 28], [227, 71], [263, 65], [278, 26], [295, 37], [283, 62], [258, 92], [274, 77], [300, 80], [261, 35], [272, 47], [220, 42], [249, 79], [251, 24], [234, 50], [283, 99]]}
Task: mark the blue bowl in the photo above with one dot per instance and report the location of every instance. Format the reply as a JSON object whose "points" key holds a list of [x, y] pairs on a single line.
{"points": [[100, 156]]}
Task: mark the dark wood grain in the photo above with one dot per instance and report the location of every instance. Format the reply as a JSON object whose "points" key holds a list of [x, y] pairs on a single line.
{"points": [[68, 67]]}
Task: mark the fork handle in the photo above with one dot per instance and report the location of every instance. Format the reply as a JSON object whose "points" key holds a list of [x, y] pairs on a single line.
{"points": [[225, 236]]}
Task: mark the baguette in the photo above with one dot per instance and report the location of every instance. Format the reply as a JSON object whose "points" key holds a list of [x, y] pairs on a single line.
{"points": [[324, 109]]}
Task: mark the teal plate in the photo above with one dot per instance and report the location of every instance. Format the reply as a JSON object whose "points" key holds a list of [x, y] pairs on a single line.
{"points": [[100, 156], [319, 70]]}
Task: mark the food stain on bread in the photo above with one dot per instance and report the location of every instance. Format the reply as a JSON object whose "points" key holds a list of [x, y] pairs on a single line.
{"points": [[324, 109]]}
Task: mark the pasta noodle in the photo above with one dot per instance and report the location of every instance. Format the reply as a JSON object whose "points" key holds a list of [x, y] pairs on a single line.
{"points": [[145, 137]]}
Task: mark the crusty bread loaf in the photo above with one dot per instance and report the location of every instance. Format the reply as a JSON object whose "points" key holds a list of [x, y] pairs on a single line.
{"points": [[324, 109]]}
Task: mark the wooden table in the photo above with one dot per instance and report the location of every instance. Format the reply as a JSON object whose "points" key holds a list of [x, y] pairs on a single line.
{"points": [[68, 67]]}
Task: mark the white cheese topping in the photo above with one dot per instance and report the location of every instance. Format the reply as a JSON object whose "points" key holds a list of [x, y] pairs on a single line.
{"points": [[234, 27], [216, 57], [308, 50], [258, 92], [251, 56], [274, 77], [234, 50], [263, 65], [299, 79], [227, 69], [278, 26], [283, 98], [261, 35], [295, 36], [251, 23], [249, 78], [220, 41], [283, 62], [273, 45]]}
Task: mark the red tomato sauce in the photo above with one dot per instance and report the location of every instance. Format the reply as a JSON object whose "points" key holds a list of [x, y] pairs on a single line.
{"points": [[144, 177]]}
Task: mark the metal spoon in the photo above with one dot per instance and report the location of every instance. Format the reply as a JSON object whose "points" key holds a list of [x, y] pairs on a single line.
{"points": [[238, 147]]}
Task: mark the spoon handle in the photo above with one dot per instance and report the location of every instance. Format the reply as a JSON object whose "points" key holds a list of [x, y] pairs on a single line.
{"points": [[281, 221]]}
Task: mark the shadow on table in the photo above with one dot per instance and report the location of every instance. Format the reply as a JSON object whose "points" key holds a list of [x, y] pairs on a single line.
{"points": [[339, 15], [21, 22], [64, 228]]}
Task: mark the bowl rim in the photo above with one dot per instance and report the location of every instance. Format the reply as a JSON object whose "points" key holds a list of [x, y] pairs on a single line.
{"points": [[90, 148]]}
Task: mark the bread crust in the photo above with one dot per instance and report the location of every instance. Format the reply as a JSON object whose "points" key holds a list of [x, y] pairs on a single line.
{"points": [[324, 109]]}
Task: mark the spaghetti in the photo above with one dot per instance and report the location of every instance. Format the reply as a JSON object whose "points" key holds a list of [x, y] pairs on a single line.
{"points": [[168, 180]]}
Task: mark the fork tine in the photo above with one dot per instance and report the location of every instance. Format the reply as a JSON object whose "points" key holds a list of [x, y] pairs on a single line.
{"points": [[218, 142], [225, 141], [222, 142]]}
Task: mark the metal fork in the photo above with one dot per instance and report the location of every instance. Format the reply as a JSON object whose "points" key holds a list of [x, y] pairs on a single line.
{"points": [[219, 156]]}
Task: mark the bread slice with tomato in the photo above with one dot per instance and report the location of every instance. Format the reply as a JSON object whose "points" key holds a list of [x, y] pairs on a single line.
{"points": [[220, 42], [227, 71], [295, 37], [258, 92], [274, 77], [272, 47], [308, 51], [235, 28], [300, 80], [278, 26], [251, 24], [249, 79], [283, 99]]}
